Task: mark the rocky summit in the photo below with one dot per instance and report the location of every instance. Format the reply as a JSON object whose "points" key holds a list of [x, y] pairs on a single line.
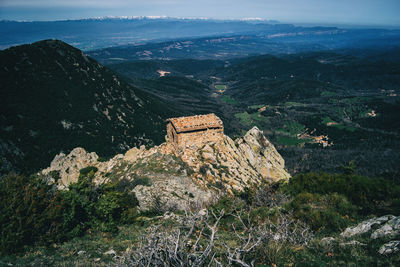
{"points": [[192, 176]]}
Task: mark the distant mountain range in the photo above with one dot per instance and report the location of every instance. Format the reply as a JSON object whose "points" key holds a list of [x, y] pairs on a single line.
{"points": [[54, 98], [94, 34]]}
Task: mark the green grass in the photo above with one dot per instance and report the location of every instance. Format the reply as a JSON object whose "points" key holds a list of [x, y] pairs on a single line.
{"points": [[355, 100], [293, 128], [256, 106], [220, 87], [229, 100], [339, 126], [289, 141], [345, 127], [293, 104], [247, 119], [326, 120], [327, 93], [92, 246]]}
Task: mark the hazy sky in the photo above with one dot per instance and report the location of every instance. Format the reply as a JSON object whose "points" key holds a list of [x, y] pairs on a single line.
{"points": [[365, 12]]}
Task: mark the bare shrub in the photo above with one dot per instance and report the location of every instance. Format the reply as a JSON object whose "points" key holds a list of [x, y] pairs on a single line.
{"points": [[268, 197], [196, 241], [160, 206], [191, 244], [269, 238]]}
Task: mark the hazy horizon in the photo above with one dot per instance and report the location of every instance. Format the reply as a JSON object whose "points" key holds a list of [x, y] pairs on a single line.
{"points": [[340, 12]]}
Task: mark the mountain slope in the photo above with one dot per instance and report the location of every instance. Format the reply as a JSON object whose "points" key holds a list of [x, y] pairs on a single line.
{"points": [[54, 98], [321, 109]]}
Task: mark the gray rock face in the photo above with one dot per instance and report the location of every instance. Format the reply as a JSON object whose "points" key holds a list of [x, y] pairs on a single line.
{"points": [[389, 229], [174, 193], [262, 155], [389, 248], [365, 226], [69, 165]]}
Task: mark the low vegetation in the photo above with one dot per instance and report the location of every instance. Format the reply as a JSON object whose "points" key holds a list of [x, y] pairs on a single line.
{"points": [[279, 224], [34, 212], [229, 100]]}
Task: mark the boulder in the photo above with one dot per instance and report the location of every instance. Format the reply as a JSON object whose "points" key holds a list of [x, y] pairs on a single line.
{"points": [[327, 242], [365, 226], [389, 248], [389, 229]]}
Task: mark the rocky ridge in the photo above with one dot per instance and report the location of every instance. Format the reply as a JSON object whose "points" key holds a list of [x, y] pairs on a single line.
{"points": [[192, 176]]}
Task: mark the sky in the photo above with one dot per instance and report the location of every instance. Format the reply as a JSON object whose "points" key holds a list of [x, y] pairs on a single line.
{"points": [[356, 12]]}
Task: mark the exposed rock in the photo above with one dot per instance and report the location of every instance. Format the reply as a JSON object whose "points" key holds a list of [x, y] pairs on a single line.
{"points": [[110, 252], [69, 165], [171, 193], [351, 243], [365, 226], [133, 154], [389, 229], [262, 155], [80, 252], [179, 179], [327, 242], [236, 164], [389, 248]]}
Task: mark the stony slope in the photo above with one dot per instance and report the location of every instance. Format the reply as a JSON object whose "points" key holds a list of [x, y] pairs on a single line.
{"points": [[54, 98], [194, 175]]}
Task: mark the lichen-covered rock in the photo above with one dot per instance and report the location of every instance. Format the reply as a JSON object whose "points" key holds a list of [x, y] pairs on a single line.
{"points": [[262, 155], [133, 154], [327, 242], [389, 248], [178, 179], [173, 193], [389, 229], [237, 164], [365, 226], [69, 165]]}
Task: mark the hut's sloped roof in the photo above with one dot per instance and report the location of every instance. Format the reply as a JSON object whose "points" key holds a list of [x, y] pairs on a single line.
{"points": [[198, 122]]}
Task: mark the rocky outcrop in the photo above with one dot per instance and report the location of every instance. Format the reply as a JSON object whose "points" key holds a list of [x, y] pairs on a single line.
{"points": [[262, 155], [389, 248], [388, 228], [177, 179], [68, 166], [365, 226], [234, 165]]}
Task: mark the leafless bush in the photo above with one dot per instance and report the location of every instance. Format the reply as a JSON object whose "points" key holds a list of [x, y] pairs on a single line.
{"points": [[247, 240], [268, 197], [191, 244], [286, 229], [160, 206], [196, 241], [278, 232]]}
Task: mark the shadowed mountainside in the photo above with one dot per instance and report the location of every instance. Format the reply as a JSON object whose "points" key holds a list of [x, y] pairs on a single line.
{"points": [[54, 98]]}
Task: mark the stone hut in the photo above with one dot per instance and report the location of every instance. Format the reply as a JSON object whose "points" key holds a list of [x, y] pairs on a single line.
{"points": [[194, 130]]}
